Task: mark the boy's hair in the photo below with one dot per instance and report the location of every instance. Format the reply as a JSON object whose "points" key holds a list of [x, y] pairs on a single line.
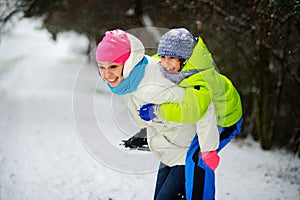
{"points": [[182, 62], [177, 43]]}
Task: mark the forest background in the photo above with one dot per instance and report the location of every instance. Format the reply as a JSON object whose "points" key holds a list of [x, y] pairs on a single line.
{"points": [[254, 43]]}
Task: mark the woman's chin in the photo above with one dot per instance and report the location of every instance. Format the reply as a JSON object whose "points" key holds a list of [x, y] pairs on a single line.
{"points": [[114, 83]]}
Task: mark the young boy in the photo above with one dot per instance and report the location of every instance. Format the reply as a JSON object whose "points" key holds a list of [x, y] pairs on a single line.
{"points": [[190, 71]]}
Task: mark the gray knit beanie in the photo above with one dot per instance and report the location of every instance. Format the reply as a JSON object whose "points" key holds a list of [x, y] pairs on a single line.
{"points": [[177, 43]]}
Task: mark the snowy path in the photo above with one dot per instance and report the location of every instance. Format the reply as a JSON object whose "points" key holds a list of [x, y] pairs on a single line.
{"points": [[42, 155]]}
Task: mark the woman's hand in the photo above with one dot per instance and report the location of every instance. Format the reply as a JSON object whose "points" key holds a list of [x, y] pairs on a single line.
{"points": [[211, 159]]}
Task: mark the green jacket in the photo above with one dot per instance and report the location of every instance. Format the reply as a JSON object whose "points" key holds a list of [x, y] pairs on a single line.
{"points": [[228, 106]]}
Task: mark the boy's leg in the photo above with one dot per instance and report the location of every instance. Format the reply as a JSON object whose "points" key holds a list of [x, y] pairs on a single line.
{"points": [[200, 179], [228, 133]]}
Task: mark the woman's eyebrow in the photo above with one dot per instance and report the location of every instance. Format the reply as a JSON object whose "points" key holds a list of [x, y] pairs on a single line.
{"points": [[101, 66]]}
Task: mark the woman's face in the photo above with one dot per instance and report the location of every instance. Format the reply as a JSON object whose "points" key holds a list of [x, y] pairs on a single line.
{"points": [[111, 72], [170, 64]]}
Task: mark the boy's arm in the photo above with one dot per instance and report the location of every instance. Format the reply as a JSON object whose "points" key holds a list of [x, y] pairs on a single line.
{"points": [[159, 93], [156, 89], [194, 105]]}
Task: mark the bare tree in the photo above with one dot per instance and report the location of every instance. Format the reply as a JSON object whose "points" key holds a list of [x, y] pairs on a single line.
{"points": [[267, 36]]}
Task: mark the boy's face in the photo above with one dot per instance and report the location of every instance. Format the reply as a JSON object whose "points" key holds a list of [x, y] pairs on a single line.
{"points": [[170, 64], [111, 72]]}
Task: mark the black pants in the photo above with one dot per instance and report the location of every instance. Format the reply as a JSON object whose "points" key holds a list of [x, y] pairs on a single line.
{"points": [[170, 183]]}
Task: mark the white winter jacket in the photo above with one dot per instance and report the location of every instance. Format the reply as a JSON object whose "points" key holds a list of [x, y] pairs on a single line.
{"points": [[167, 140]]}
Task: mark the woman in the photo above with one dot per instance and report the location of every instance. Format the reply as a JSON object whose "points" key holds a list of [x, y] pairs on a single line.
{"points": [[128, 72]]}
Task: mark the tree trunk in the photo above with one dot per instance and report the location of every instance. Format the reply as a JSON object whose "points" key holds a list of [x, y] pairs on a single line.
{"points": [[263, 99]]}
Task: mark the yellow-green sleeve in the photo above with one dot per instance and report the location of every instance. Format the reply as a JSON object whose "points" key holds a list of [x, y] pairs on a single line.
{"points": [[194, 105]]}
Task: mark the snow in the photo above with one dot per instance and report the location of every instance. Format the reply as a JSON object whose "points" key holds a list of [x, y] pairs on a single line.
{"points": [[59, 127]]}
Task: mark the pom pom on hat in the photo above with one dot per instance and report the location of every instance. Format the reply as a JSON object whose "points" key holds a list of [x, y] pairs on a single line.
{"points": [[177, 43], [114, 47]]}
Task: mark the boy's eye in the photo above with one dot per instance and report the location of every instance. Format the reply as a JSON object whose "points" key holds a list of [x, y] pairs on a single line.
{"points": [[162, 56], [113, 66]]}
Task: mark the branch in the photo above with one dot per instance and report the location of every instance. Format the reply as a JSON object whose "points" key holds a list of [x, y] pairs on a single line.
{"points": [[226, 15], [6, 18]]}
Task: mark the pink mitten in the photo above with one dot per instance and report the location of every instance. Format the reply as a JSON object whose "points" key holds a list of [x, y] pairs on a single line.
{"points": [[211, 159]]}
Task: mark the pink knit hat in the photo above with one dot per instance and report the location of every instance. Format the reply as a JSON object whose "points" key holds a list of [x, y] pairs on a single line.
{"points": [[114, 47]]}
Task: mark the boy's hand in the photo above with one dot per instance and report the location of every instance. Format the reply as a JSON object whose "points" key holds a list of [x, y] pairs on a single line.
{"points": [[147, 112]]}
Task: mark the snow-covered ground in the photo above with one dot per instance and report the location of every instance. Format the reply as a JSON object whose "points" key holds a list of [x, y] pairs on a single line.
{"points": [[59, 127]]}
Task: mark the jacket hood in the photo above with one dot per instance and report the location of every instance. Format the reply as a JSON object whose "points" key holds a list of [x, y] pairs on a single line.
{"points": [[137, 52], [200, 59]]}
